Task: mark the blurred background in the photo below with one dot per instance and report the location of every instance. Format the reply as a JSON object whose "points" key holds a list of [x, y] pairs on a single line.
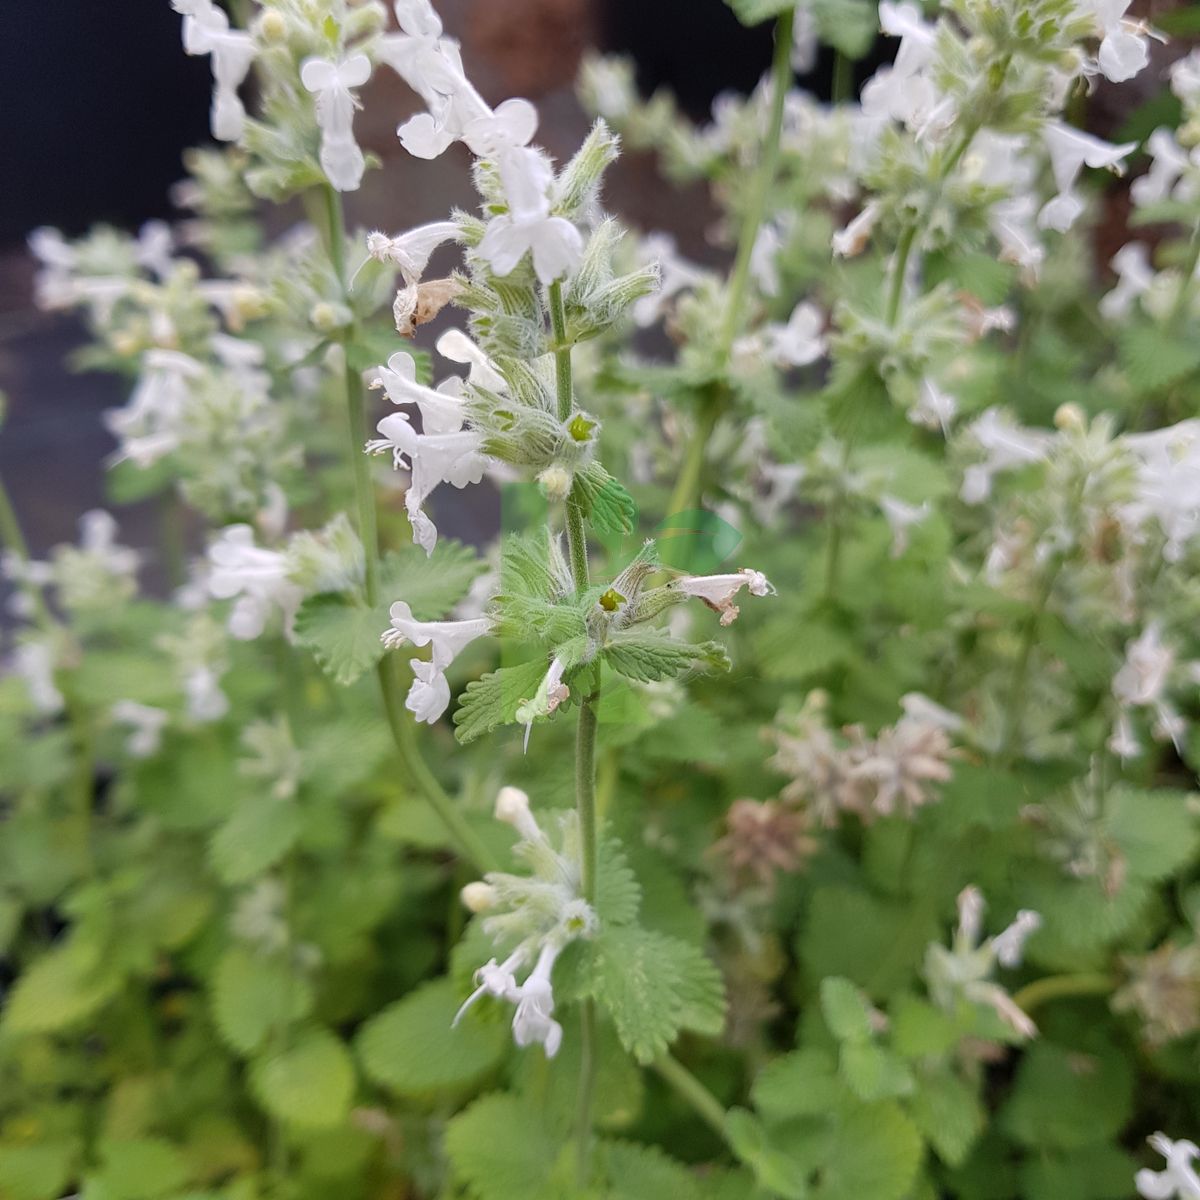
{"points": [[101, 103]]}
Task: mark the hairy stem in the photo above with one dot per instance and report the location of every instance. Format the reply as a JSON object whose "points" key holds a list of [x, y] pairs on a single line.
{"points": [[1058, 987], [689, 1088], [585, 744], [688, 488], [464, 837], [1014, 709]]}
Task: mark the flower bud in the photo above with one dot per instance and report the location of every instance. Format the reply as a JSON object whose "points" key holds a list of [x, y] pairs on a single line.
{"points": [[478, 897], [249, 302], [1070, 418], [272, 26], [512, 805], [556, 483], [327, 317], [126, 344]]}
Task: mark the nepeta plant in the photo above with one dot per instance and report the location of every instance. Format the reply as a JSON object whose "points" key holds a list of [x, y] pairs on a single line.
{"points": [[686, 904]]}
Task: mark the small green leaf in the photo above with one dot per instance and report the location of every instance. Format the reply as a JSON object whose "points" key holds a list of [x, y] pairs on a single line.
{"points": [[344, 636], [948, 1112], [754, 12], [1154, 359], [309, 1085], [258, 834], [252, 996], [849, 26], [873, 1073], [650, 656], [139, 1169], [430, 584], [846, 1012], [66, 984], [607, 505], [494, 699]]}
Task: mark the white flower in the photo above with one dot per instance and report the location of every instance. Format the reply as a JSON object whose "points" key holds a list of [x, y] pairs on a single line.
{"points": [[1168, 483], [920, 708], [1168, 162], [550, 694], [457, 347], [1185, 77], [512, 807], [33, 661], [901, 91], [146, 726], [149, 427], [1178, 1179], [764, 258], [256, 576], [454, 458], [1124, 50], [901, 517], [1007, 445], [854, 237], [796, 344], [676, 275], [429, 696], [205, 700], [411, 251], [1070, 150], [341, 159], [1009, 945], [533, 1022], [528, 227], [718, 591], [206, 31], [934, 409], [1134, 277], [440, 411]]}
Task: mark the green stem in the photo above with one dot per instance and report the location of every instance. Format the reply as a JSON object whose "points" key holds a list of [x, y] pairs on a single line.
{"points": [[689, 1088], [1058, 987], [468, 842], [842, 88], [688, 487], [585, 746], [904, 250], [1015, 707]]}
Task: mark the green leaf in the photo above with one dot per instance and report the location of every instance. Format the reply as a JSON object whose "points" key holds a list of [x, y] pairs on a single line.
{"points": [[500, 1150], [66, 984], [1155, 359], [639, 1172], [872, 1152], [1156, 831], [754, 12], [1097, 1173], [846, 1012], [252, 996], [139, 1169], [649, 657], [1064, 1099], [919, 1029], [494, 699], [607, 505], [37, 1170], [849, 26], [258, 834], [773, 1167], [873, 1073], [948, 1111], [653, 986], [309, 1085], [430, 584], [411, 1048], [804, 1083], [344, 636]]}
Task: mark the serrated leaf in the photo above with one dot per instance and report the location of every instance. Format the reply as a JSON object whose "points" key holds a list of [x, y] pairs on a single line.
{"points": [[846, 1012], [501, 1151], [411, 1048], [258, 834], [139, 1169], [344, 636], [431, 584], [637, 1172], [494, 699], [873, 1073], [874, 1151], [1156, 831], [309, 1085], [649, 657], [948, 1111], [801, 1084], [773, 1167], [1154, 358], [618, 893], [1097, 1173], [66, 984], [607, 505], [252, 996], [653, 986]]}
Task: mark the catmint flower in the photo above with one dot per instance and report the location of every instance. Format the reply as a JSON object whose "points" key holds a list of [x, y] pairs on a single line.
{"points": [[1124, 48], [98, 572], [921, 708], [528, 228], [901, 764], [1070, 150], [206, 31], [964, 970], [1142, 682], [764, 258], [458, 348], [550, 694], [764, 838], [34, 661], [1168, 161], [206, 702], [1007, 446], [901, 517], [533, 1022], [412, 251], [436, 458], [149, 426], [146, 726], [259, 578], [718, 591], [934, 409], [796, 344], [1134, 277], [441, 412], [1168, 485], [1178, 1180], [901, 91], [853, 239], [676, 275], [1164, 990], [1185, 77], [341, 159]]}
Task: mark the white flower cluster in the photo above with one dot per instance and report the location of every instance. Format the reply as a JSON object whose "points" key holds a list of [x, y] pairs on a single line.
{"points": [[1178, 1180]]}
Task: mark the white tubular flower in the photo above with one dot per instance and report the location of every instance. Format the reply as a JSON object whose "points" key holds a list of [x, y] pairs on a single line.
{"points": [[341, 159], [1185, 77], [550, 694], [796, 344], [919, 707], [155, 248], [1007, 446], [718, 591], [901, 92], [1070, 151], [1134, 277], [853, 239], [528, 228], [429, 696], [1168, 483], [533, 1022], [1168, 163], [440, 411], [676, 275], [1009, 945], [412, 251], [494, 979], [448, 638], [901, 517], [149, 427], [33, 661], [206, 31], [257, 577], [1142, 679], [454, 458], [970, 906], [202, 692], [146, 726], [1124, 48], [458, 348], [1178, 1180], [512, 808], [934, 409]]}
